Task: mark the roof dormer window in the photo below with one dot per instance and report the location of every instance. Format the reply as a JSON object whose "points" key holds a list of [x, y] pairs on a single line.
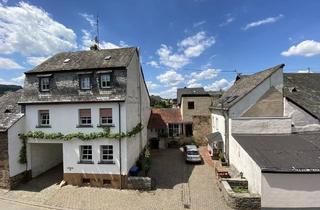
{"points": [[105, 80], [85, 82], [44, 84]]}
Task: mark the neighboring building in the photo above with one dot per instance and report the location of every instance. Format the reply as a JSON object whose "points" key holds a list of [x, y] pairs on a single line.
{"points": [[193, 102], [165, 124], [257, 133], [86, 92], [302, 100], [11, 124]]}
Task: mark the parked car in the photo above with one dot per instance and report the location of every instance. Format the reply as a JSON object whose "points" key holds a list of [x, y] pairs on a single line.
{"points": [[192, 154]]}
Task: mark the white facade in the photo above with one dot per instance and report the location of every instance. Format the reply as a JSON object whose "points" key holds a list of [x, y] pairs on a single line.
{"points": [[290, 190], [14, 146], [64, 118]]}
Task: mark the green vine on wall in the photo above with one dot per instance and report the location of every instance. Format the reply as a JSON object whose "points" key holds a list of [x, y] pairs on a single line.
{"points": [[68, 137]]}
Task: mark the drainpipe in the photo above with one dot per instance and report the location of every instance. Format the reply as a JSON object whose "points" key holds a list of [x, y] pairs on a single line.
{"points": [[226, 124], [120, 161]]}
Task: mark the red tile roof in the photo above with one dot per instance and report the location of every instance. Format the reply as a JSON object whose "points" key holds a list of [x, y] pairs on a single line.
{"points": [[161, 116]]}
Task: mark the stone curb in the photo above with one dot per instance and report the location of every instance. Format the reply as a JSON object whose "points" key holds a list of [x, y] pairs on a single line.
{"points": [[33, 204]]}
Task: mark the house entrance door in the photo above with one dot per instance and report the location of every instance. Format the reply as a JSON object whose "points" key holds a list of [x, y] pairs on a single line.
{"points": [[188, 130]]}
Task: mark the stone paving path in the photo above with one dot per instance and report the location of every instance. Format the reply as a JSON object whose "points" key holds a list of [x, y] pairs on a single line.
{"points": [[178, 186]]}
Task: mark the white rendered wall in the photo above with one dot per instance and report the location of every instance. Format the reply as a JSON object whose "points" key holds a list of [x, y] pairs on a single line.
{"points": [[302, 120], [138, 110], [276, 80], [261, 125], [44, 157], [14, 146], [241, 160], [64, 118], [290, 190], [221, 124]]}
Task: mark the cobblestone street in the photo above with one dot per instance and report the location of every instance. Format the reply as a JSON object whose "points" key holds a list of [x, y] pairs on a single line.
{"points": [[178, 186]]}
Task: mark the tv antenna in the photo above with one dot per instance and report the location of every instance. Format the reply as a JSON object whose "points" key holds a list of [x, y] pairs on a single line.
{"points": [[96, 39]]}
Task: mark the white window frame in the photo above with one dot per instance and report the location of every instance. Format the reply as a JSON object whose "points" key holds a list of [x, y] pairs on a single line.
{"points": [[44, 84], [85, 82], [44, 118], [86, 153], [108, 120], [85, 120], [106, 151], [105, 80]]}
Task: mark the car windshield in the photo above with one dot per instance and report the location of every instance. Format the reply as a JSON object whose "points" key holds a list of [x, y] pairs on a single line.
{"points": [[192, 153]]}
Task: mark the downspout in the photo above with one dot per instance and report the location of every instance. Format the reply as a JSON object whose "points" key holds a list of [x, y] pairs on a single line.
{"points": [[120, 159], [226, 124]]}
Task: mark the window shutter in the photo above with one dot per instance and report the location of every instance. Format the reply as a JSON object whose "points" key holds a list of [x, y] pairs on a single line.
{"points": [[106, 112], [43, 111], [85, 112]]}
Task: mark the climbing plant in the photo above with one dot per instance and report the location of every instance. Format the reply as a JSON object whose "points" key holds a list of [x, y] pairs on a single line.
{"points": [[67, 137]]}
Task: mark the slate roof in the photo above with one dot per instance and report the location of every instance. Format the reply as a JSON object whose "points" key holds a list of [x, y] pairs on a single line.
{"points": [[291, 153], [303, 89], [190, 92], [161, 116], [85, 60], [243, 86], [10, 111]]}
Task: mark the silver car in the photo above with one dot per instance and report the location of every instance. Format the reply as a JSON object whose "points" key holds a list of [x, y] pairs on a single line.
{"points": [[192, 154]]}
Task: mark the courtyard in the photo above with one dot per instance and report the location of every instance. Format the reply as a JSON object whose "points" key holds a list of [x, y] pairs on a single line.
{"points": [[177, 186]]}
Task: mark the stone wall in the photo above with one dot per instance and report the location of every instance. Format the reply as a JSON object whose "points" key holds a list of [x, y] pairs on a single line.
{"points": [[201, 107], [4, 161], [139, 183], [201, 126], [241, 201]]}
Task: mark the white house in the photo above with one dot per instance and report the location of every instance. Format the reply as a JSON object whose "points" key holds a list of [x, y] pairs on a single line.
{"points": [[11, 124], [257, 132], [86, 92]]}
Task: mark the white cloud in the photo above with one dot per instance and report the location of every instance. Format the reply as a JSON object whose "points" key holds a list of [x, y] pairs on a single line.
{"points": [[306, 48], [30, 30], [89, 18], [197, 24], [87, 42], [153, 64], [151, 85], [13, 81], [188, 48], [263, 22], [194, 46], [34, 61], [205, 74], [229, 19], [123, 44], [221, 84], [170, 78], [169, 93], [170, 59], [305, 71], [7, 64], [194, 85], [19, 80]]}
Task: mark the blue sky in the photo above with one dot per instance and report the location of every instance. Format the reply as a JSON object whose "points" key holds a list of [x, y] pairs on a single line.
{"points": [[182, 42]]}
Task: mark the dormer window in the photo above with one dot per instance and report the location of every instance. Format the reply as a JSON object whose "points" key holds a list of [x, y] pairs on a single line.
{"points": [[85, 82], [44, 84], [105, 80]]}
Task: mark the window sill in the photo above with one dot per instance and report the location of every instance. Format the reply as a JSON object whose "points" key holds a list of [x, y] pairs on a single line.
{"points": [[85, 162], [106, 88], [111, 162], [43, 126], [106, 126], [84, 126]]}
